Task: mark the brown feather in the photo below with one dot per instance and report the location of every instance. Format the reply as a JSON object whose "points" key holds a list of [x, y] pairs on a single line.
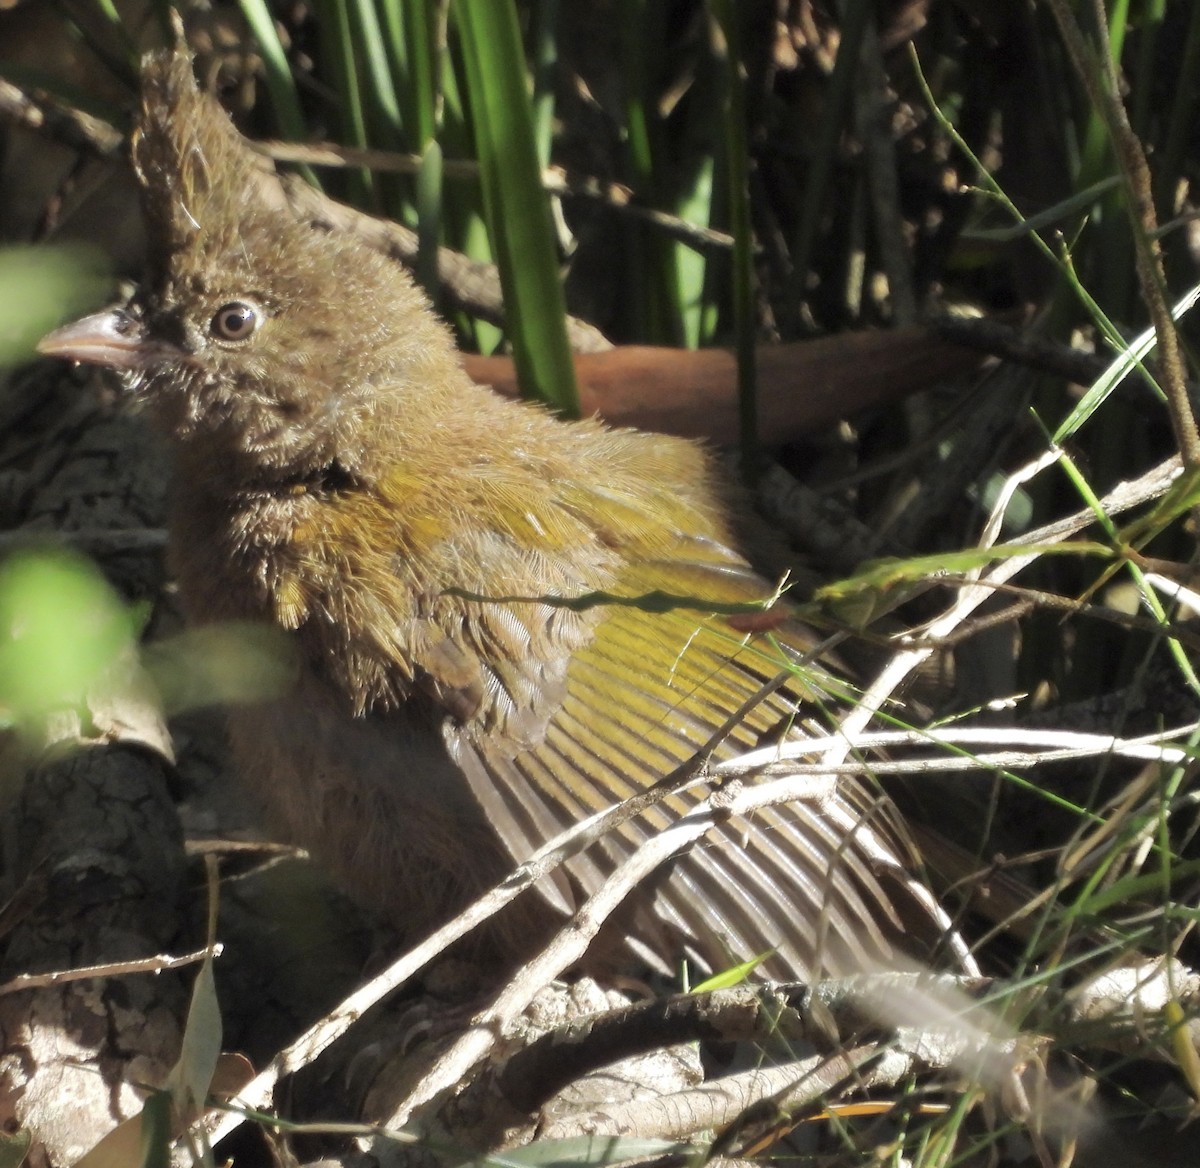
{"points": [[338, 475]]}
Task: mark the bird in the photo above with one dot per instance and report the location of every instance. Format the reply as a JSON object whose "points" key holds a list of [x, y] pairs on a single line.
{"points": [[424, 545]]}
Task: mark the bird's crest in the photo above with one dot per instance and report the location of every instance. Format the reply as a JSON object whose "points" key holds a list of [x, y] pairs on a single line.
{"points": [[192, 165]]}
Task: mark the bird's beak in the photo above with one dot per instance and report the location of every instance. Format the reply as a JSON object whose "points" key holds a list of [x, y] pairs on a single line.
{"points": [[112, 338]]}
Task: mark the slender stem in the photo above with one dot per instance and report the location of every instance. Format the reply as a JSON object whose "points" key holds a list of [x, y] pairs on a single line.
{"points": [[1135, 172]]}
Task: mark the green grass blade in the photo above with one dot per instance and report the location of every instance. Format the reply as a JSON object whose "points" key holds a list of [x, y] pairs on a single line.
{"points": [[280, 84], [410, 37], [545, 56], [342, 66], [517, 207], [380, 85], [429, 218], [1122, 365]]}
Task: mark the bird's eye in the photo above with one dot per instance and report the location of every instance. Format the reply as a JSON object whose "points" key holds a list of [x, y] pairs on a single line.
{"points": [[235, 321]]}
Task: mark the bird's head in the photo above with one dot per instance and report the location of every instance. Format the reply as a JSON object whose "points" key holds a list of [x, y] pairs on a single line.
{"points": [[257, 340]]}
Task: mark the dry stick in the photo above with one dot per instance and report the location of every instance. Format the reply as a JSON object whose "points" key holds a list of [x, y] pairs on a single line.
{"points": [[815, 1016], [319, 1037], [161, 963], [1028, 349], [792, 1086], [533, 1075], [555, 181], [573, 940], [1037, 747], [927, 1013], [873, 121], [1135, 172], [939, 1021], [45, 115], [1030, 599], [971, 597]]}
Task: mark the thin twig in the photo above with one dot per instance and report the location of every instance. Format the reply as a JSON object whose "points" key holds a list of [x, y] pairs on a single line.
{"points": [[555, 181], [46, 115], [161, 963], [1036, 747], [1135, 173], [1022, 348]]}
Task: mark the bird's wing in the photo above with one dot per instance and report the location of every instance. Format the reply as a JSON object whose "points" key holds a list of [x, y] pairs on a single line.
{"points": [[554, 713], [824, 886]]}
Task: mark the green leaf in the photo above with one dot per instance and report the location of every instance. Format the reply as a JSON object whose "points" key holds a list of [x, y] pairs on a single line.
{"points": [[429, 218], [881, 575], [191, 1076], [518, 210], [745, 311], [61, 628], [1128, 359], [40, 288], [733, 976]]}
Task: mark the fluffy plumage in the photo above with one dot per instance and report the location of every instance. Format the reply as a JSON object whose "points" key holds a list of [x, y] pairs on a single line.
{"points": [[339, 476]]}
